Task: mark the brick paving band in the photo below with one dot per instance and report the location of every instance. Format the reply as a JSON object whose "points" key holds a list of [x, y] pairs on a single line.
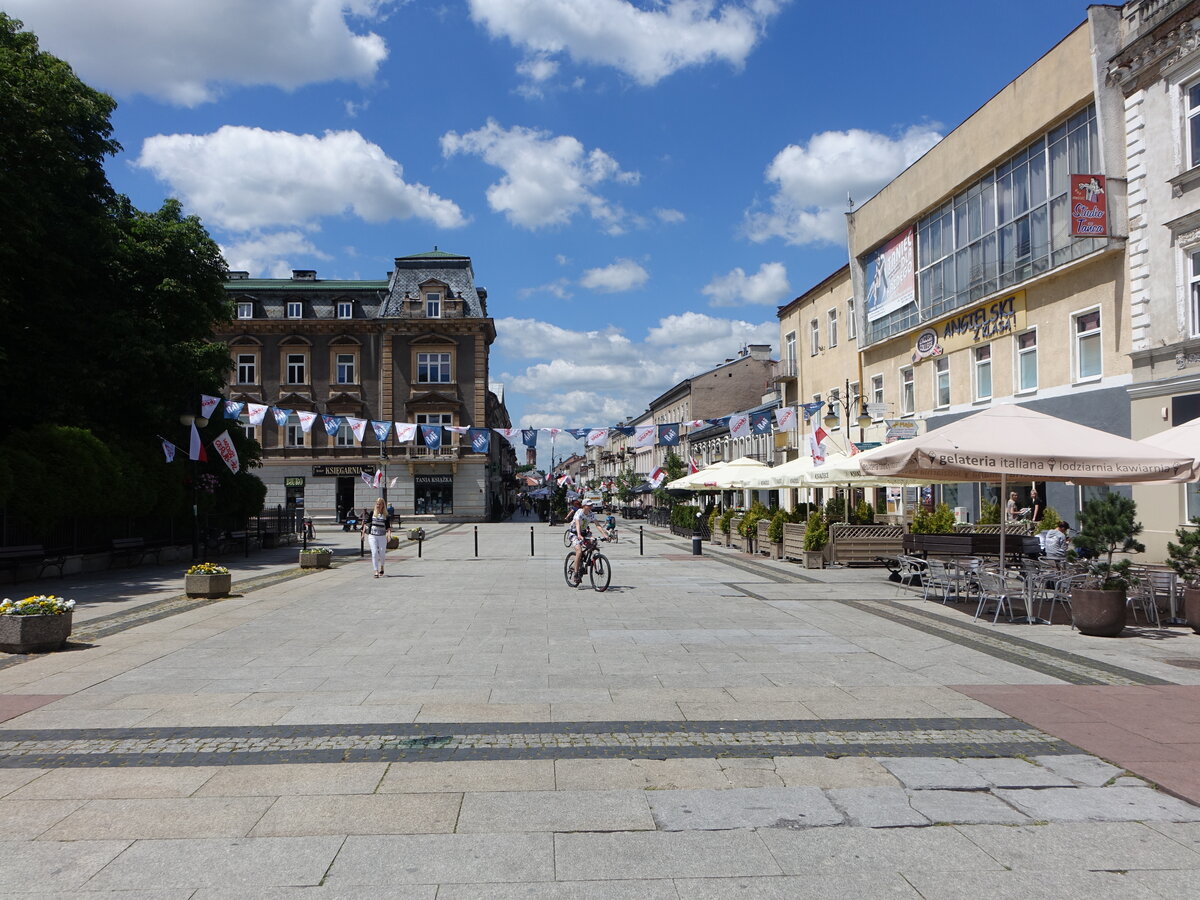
{"points": [[250, 745]]}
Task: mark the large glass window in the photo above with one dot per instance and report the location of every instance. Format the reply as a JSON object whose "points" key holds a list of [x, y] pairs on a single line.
{"points": [[293, 433], [245, 310], [941, 382], [814, 333], [1027, 364], [1011, 224], [1193, 124], [908, 400], [295, 309], [433, 368], [983, 372], [1088, 356], [833, 328], [247, 368], [344, 436], [877, 389], [345, 309], [851, 325], [296, 368], [1194, 291], [345, 368], [433, 305]]}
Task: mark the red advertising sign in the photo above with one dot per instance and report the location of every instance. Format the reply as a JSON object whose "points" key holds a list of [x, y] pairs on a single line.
{"points": [[1089, 206]]}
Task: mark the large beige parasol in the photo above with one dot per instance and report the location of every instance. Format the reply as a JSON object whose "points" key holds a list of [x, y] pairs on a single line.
{"points": [[730, 476], [694, 481], [1182, 439]]}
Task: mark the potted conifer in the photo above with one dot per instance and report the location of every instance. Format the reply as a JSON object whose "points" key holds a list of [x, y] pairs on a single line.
{"points": [[775, 534], [816, 535], [1107, 524], [1184, 558]]}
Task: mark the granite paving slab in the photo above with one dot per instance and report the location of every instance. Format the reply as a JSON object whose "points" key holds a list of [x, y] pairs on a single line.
{"points": [[964, 807], [876, 807], [661, 854], [360, 814], [385, 860], [192, 817], [1082, 846], [927, 773], [804, 807], [53, 867], [839, 850], [559, 810], [642, 889], [1103, 804], [860, 886]]}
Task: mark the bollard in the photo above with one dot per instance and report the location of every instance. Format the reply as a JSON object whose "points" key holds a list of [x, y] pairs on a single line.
{"points": [[420, 541], [697, 545], [641, 541], [531, 540], [477, 542]]}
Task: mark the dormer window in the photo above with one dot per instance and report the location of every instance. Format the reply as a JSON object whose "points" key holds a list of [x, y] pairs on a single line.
{"points": [[433, 305], [295, 309], [345, 309], [245, 310]]}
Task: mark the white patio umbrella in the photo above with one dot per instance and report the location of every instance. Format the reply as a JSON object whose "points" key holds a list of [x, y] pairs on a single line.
{"points": [[731, 475], [1014, 440], [694, 481], [1182, 439]]}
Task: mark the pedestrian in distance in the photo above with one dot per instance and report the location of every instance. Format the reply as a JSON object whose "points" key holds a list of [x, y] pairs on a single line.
{"points": [[377, 528]]}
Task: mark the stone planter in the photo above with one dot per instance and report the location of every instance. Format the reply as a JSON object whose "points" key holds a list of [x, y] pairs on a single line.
{"points": [[392, 543], [814, 559], [773, 549], [33, 634], [1191, 607], [718, 538], [209, 586], [315, 560], [1098, 613], [418, 534]]}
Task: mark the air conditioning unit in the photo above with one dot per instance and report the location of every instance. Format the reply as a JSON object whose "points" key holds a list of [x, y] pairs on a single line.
{"points": [[960, 515]]}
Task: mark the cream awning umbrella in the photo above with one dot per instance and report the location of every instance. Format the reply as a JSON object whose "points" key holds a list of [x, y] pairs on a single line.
{"points": [[694, 481], [731, 475], [843, 469], [1182, 439]]}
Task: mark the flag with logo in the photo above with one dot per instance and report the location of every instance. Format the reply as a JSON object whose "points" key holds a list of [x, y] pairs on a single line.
{"points": [[257, 412], [306, 420], [566, 479], [432, 435], [457, 429], [382, 430], [554, 432], [785, 418], [509, 434], [281, 415], [597, 437], [811, 409], [724, 420], [481, 440], [366, 478], [693, 466], [739, 426], [405, 431], [644, 436], [695, 423], [223, 444], [233, 408], [760, 423], [626, 430], [529, 437], [208, 404], [577, 433], [331, 423], [358, 426], [668, 435], [169, 450], [658, 476], [854, 451], [196, 450], [816, 447]]}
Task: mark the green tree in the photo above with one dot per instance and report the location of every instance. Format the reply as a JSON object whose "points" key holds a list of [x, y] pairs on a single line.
{"points": [[675, 468], [1109, 524], [627, 480]]}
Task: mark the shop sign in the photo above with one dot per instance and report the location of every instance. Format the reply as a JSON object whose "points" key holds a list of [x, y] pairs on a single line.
{"points": [[293, 481], [984, 323], [433, 479], [340, 471], [1089, 206], [901, 429]]}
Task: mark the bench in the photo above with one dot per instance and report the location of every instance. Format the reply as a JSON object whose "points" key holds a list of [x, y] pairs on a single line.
{"points": [[30, 555], [129, 548]]}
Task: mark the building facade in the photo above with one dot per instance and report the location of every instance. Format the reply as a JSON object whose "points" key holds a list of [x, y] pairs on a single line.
{"points": [[410, 349]]}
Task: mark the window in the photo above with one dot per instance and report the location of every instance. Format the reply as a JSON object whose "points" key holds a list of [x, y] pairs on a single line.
{"points": [[814, 333], [983, 372], [435, 419], [245, 310], [293, 434], [833, 335], [345, 369], [941, 382], [835, 406], [345, 309], [1088, 363], [908, 400], [344, 436], [433, 368], [247, 429], [295, 309], [1027, 367], [247, 368], [877, 390], [433, 305], [1194, 291], [851, 324], [1193, 124], [295, 368]]}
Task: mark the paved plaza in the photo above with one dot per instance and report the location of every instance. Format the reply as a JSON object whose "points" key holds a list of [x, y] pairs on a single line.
{"points": [[469, 726]]}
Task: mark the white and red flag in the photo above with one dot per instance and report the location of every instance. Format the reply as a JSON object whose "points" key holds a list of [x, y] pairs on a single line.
{"points": [[223, 444], [378, 479], [645, 436], [597, 437], [785, 418], [358, 426], [509, 434], [854, 451], [169, 450], [693, 466], [739, 425], [208, 404], [196, 450], [816, 448], [405, 431], [257, 412], [566, 479], [695, 423], [658, 476], [306, 420]]}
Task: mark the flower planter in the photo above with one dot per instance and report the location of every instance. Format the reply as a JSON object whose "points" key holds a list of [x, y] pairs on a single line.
{"points": [[418, 534], [1191, 607], [210, 586], [34, 634], [393, 542], [315, 560], [1098, 613], [814, 559], [773, 549]]}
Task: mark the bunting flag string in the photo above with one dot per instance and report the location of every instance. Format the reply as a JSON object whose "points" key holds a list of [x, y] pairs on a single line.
{"points": [[208, 404], [281, 415], [168, 449]]}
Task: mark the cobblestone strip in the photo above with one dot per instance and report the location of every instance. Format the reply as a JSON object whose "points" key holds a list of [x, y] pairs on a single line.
{"points": [[1068, 667], [249, 745]]}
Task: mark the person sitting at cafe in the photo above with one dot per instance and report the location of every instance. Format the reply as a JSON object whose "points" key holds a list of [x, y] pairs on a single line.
{"points": [[1056, 542]]}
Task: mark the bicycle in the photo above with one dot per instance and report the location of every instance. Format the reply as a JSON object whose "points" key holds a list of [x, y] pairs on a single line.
{"points": [[567, 535], [593, 562]]}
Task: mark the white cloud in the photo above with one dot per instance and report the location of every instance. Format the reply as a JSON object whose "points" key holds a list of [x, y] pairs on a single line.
{"points": [[622, 275], [645, 44], [243, 178], [769, 285], [811, 181], [670, 216], [601, 377], [560, 288], [266, 255], [187, 52], [547, 179]]}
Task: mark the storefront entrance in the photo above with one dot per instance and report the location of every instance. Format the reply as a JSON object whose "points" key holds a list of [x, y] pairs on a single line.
{"points": [[345, 496], [433, 495]]}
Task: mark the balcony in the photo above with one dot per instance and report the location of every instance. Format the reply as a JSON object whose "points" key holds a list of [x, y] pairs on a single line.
{"points": [[786, 370]]}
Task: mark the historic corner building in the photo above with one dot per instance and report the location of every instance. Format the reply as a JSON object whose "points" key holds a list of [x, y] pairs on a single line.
{"points": [[981, 275], [410, 348]]}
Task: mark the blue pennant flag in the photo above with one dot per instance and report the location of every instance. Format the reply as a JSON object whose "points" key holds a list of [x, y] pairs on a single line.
{"points": [[724, 420], [811, 409], [481, 439], [281, 415], [381, 429], [668, 435], [529, 437], [433, 436], [578, 433], [626, 430], [331, 424], [233, 408], [760, 423]]}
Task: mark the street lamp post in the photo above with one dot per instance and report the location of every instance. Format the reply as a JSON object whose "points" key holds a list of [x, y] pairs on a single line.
{"points": [[188, 420]]}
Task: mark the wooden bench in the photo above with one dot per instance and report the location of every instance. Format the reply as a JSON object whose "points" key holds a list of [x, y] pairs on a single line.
{"points": [[30, 555], [128, 549]]}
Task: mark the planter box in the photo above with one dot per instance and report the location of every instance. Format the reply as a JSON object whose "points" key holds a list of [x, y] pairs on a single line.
{"points": [[209, 586], [418, 534], [315, 560], [940, 546], [718, 538], [1098, 613], [1191, 607], [773, 549], [33, 634], [814, 559], [392, 543]]}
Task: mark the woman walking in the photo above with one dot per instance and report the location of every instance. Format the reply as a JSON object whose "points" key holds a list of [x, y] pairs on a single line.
{"points": [[377, 527]]}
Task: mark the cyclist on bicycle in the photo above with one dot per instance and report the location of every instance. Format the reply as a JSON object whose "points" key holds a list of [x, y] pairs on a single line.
{"points": [[580, 531]]}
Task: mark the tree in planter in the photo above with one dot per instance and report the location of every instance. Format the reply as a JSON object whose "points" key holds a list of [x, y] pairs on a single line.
{"points": [[627, 480], [1184, 558], [940, 521], [835, 510], [864, 514], [816, 535], [726, 518], [989, 513], [1050, 519], [714, 516], [748, 527], [775, 531], [675, 468], [1108, 525]]}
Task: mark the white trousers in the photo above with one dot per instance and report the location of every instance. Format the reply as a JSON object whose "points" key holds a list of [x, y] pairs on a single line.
{"points": [[378, 544]]}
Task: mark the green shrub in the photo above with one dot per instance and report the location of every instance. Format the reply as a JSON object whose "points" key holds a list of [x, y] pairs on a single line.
{"points": [[725, 519], [1184, 557], [684, 516], [816, 535], [749, 523], [1108, 524], [864, 514], [1050, 519], [989, 513], [835, 510], [940, 521], [714, 516], [775, 532]]}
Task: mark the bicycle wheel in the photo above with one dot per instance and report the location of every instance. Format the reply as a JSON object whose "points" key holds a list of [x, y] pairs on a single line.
{"points": [[600, 571], [567, 538], [569, 570]]}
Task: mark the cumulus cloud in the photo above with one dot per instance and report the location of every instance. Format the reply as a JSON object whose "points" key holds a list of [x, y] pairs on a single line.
{"points": [[188, 53], [547, 180], [601, 377], [769, 285], [647, 44], [670, 216], [268, 253], [811, 181], [245, 178], [622, 275]]}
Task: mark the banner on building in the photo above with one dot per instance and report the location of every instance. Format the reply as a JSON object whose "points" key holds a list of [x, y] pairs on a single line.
{"points": [[1089, 206], [891, 277], [785, 418], [668, 435], [597, 437]]}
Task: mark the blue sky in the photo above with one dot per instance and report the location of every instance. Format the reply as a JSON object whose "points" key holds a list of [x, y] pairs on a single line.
{"points": [[639, 185]]}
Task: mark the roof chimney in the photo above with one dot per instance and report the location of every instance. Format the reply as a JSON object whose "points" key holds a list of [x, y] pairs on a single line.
{"points": [[304, 274]]}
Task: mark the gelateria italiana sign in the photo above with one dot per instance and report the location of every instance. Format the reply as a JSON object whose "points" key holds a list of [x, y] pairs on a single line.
{"points": [[972, 327]]}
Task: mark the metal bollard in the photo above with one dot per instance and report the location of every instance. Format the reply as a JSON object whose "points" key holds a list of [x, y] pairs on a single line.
{"points": [[420, 541], [641, 541], [477, 542], [531, 540], [697, 545]]}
